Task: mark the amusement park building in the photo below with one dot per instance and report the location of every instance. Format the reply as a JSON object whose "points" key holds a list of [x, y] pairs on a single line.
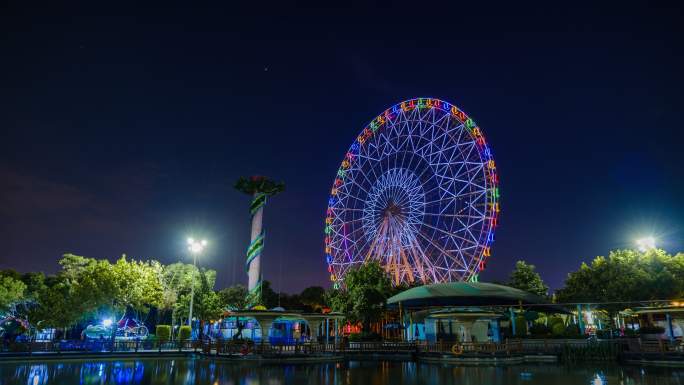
{"points": [[462, 311]]}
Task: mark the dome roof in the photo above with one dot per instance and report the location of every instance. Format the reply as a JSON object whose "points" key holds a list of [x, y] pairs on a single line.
{"points": [[465, 294]]}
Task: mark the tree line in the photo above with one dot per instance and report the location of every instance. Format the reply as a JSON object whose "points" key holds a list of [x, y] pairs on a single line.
{"points": [[87, 290]]}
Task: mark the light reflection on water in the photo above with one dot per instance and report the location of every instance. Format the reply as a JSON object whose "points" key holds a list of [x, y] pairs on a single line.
{"points": [[216, 372]]}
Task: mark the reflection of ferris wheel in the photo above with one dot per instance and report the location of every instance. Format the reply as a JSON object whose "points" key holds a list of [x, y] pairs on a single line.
{"points": [[417, 191]]}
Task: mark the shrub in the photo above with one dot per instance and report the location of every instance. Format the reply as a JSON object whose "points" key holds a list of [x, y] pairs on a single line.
{"points": [[558, 330], [163, 332], [540, 330], [184, 333], [554, 320]]}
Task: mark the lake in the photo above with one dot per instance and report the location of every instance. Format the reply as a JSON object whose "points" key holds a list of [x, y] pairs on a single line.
{"points": [[187, 371]]}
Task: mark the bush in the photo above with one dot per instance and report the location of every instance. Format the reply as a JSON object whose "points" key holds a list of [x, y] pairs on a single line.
{"points": [[540, 330], [558, 330], [184, 333], [163, 332], [554, 320]]}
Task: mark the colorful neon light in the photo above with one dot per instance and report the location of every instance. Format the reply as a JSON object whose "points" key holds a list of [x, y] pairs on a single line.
{"points": [[485, 153]]}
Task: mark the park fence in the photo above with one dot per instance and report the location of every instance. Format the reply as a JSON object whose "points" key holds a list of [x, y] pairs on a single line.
{"points": [[573, 349]]}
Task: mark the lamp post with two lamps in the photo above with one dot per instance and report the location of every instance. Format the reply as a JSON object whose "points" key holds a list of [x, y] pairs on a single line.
{"points": [[195, 248]]}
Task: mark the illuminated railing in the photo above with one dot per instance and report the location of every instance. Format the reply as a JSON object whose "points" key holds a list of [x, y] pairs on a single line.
{"points": [[243, 347]]}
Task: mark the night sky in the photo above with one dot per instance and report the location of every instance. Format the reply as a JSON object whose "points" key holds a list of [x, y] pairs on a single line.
{"points": [[123, 129]]}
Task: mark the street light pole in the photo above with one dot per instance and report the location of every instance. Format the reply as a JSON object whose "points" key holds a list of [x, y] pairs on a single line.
{"points": [[192, 288], [195, 248]]}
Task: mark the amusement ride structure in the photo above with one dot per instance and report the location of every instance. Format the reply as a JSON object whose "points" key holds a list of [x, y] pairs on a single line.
{"points": [[417, 191], [260, 188]]}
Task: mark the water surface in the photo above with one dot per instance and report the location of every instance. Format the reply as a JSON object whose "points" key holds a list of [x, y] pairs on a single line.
{"points": [[216, 372]]}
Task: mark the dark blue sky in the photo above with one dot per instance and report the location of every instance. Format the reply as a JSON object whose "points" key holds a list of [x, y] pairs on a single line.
{"points": [[123, 129]]}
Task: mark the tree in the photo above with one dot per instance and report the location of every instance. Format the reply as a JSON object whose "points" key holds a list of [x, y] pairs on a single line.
{"points": [[313, 297], [207, 304], [177, 280], [233, 297], [137, 285], [29, 308], [625, 277], [56, 304], [269, 298], [104, 288], [367, 287], [524, 277], [91, 281], [11, 292]]}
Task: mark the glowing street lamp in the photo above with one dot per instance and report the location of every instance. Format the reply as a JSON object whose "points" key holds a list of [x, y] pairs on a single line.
{"points": [[195, 248], [645, 244]]}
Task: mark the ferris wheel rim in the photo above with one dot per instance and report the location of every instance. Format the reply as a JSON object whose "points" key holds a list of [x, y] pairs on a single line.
{"points": [[486, 218]]}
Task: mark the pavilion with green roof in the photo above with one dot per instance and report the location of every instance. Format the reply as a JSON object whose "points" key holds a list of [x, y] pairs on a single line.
{"points": [[463, 311]]}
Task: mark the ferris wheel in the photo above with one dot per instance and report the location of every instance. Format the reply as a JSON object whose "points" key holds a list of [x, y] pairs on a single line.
{"points": [[417, 191]]}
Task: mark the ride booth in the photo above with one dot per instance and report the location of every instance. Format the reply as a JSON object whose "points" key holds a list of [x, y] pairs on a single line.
{"points": [[239, 328], [289, 331], [462, 329], [454, 325], [273, 327]]}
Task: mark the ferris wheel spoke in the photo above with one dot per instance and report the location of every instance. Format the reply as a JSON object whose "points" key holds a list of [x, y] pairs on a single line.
{"points": [[444, 252], [375, 176], [474, 170], [347, 209], [352, 182], [344, 195], [447, 215], [475, 239], [448, 234], [432, 202], [422, 259], [452, 196]]}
